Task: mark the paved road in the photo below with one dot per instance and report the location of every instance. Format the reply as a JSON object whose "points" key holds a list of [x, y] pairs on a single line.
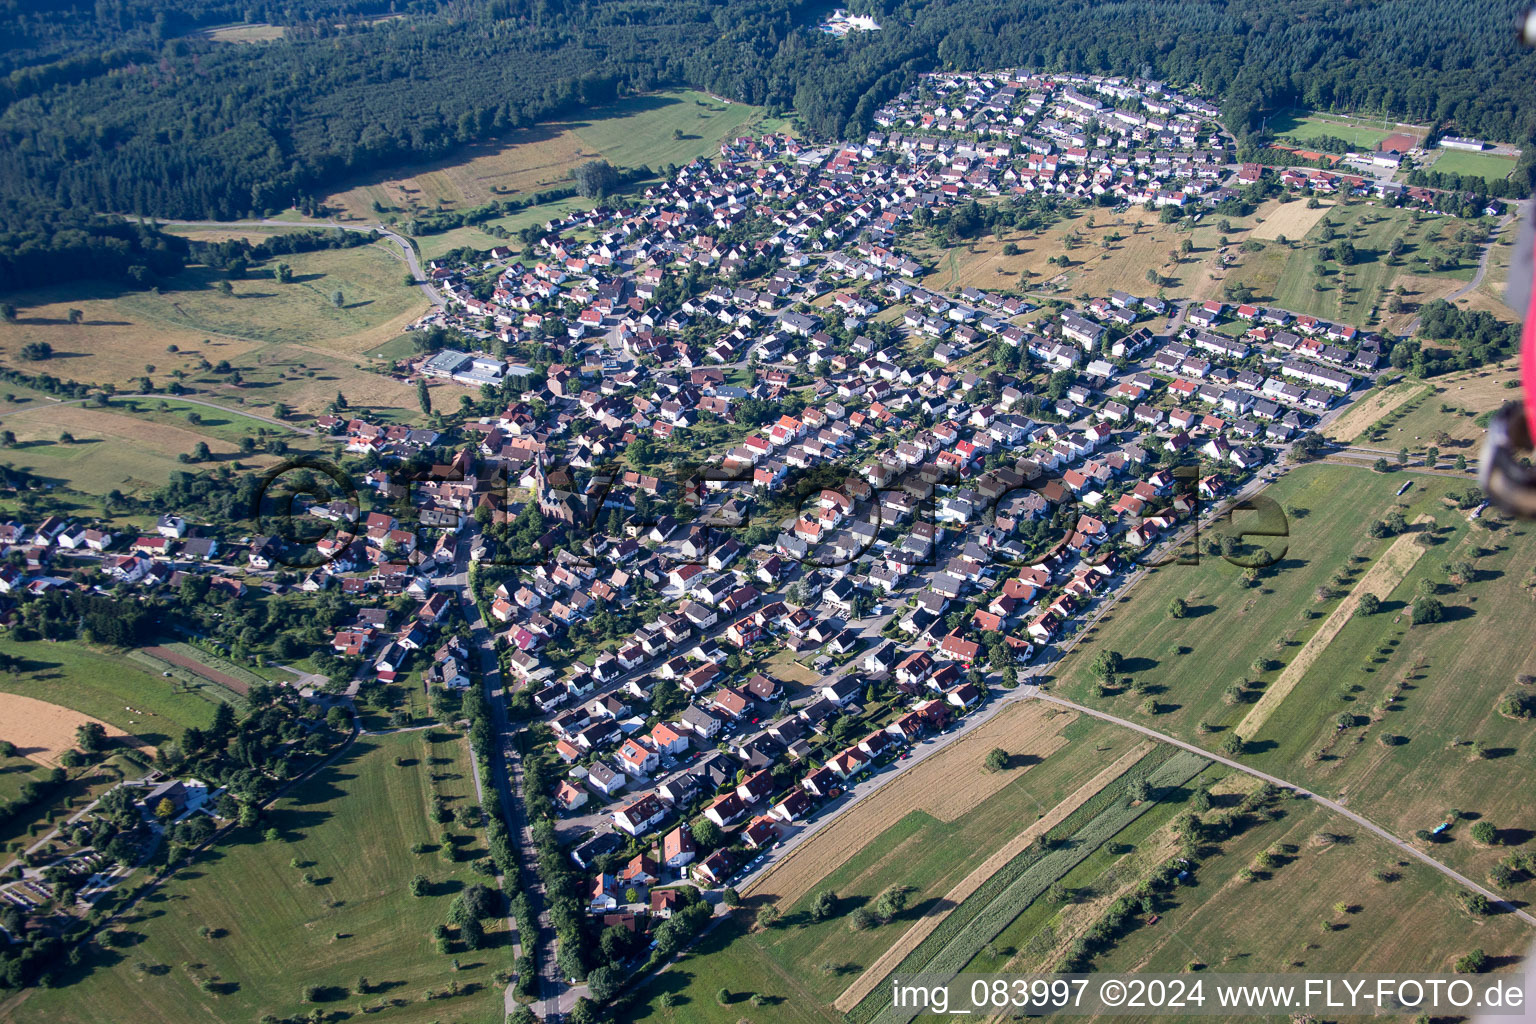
{"points": [[1332, 805], [404, 246], [1482, 265], [533, 936]]}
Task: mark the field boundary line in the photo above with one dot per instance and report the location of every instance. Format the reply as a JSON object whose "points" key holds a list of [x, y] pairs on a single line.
{"points": [[1381, 580], [890, 798], [876, 973]]}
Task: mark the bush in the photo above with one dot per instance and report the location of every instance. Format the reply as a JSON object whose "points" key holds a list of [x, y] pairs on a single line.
{"points": [[1484, 832], [1472, 963], [1427, 610]]}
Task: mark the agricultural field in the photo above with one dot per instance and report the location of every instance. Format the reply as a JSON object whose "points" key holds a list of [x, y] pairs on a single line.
{"points": [[1301, 127], [1405, 761], [102, 685], [802, 964], [972, 926], [652, 130], [272, 934], [1284, 274], [1488, 166], [1449, 413]]}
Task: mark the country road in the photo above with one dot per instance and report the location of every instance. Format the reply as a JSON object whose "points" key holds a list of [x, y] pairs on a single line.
{"points": [[1332, 805], [1482, 265], [400, 241]]}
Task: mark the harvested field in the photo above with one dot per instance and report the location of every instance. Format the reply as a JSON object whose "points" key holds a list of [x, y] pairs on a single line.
{"points": [[1369, 409], [921, 928], [932, 785], [1381, 580], [43, 731], [1293, 220]]}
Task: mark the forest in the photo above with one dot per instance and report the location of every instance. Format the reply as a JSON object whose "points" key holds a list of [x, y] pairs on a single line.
{"points": [[115, 107]]}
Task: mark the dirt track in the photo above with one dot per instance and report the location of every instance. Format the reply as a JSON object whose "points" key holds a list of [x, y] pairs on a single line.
{"points": [[876, 973], [945, 785]]}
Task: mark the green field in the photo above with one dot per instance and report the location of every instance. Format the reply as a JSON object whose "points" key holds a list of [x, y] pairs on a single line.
{"points": [[1355, 294], [1454, 671], [371, 279], [273, 935], [642, 132], [1228, 625], [433, 246], [103, 684], [1409, 760], [16, 772], [1274, 923], [223, 424], [1490, 166], [1301, 128]]}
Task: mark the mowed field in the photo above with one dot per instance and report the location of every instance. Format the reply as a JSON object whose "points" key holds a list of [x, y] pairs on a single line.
{"points": [[1285, 275], [653, 130], [1489, 166], [291, 342], [1403, 761], [103, 685], [1302, 127], [272, 934], [928, 845]]}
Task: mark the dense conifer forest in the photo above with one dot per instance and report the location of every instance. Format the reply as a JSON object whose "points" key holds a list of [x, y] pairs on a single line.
{"points": [[123, 106]]}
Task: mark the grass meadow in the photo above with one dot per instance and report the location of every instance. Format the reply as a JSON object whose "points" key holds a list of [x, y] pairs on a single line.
{"points": [[105, 686], [272, 934], [1405, 761]]}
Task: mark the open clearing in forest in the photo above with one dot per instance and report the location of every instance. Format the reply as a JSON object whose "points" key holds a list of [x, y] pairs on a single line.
{"points": [[653, 130], [43, 731]]}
